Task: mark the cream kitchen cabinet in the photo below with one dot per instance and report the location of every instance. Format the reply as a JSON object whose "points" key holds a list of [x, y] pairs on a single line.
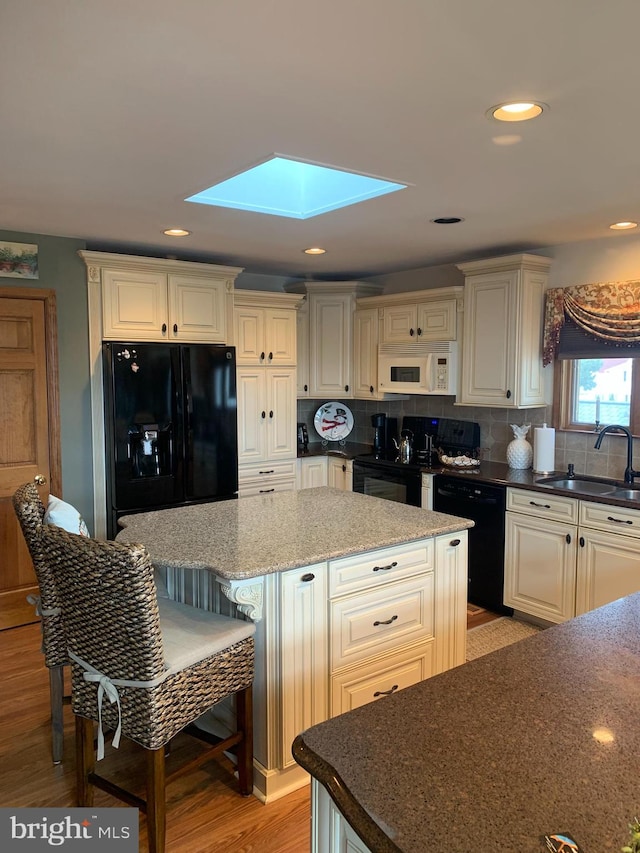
{"points": [[333, 471], [302, 346], [149, 299], [426, 491], [303, 686], [265, 328], [389, 611], [565, 556], [266, 414], [340, 473], [420, 321], [331, 310], [366, 336], [365, 354], [502, 339], [312, 472], [265, 335]]}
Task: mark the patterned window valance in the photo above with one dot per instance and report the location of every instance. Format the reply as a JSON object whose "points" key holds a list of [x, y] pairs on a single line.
{"points": [[607, 311]]}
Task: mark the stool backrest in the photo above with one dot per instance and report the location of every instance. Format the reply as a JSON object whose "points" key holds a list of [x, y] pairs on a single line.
{"points": [[30, 512], [109, 603]]}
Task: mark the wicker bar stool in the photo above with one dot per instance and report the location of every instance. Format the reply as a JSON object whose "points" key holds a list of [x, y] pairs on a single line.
{"points": [[30, 511], [144, 667]]}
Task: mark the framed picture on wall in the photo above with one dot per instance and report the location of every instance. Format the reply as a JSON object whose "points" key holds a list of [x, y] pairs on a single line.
{"points": [[18, 260]]}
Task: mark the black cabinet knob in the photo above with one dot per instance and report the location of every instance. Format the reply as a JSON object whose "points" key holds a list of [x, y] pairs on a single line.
{"points": [[411, 332], [264, 414], [306, 387], [261, 356], [175, 328], [508, 395], [419, 331], [164, 328], [371, 389]]}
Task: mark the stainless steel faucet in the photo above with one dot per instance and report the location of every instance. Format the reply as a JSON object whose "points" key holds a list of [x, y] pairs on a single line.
{"points": [[629, 473]]}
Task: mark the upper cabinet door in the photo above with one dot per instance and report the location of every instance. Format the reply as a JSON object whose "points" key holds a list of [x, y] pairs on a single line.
{"points": [[502, 336], [280, 336], [249, 337], [488, 373], [330, 319], [265, 336], [197, 309], [134, 305], [400, 324]]}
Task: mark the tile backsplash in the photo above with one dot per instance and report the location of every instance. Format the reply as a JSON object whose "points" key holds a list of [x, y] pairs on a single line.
{"points": [[495, 431]]}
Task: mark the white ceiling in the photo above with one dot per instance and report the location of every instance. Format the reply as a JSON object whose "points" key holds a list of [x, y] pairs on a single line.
{"points": [[111, 113]]}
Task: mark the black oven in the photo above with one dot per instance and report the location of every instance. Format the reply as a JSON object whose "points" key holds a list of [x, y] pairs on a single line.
{"points": [[387, 479]]}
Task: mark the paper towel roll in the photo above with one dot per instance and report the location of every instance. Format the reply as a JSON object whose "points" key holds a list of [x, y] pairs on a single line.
{"points": [[544, 449]]}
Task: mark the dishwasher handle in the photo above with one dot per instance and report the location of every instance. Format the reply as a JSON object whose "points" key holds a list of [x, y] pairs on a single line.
{"points": [[465, 497]]}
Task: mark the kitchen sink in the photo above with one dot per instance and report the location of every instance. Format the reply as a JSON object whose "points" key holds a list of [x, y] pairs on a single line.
{"points": [[579, 484], [589, 486], [625, 494]]}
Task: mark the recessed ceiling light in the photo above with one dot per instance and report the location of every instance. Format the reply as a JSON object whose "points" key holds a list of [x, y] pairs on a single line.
{"points": [[447, 220], [314, 250], [284, 186], [623, 226], [516, 111], [176, 232]]}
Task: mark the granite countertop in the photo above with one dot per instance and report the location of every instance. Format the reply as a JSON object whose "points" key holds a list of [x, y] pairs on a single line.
{"points": [[540, 737], [258, 535]]}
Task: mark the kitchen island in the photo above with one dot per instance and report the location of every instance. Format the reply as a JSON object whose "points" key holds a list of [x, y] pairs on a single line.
{"points": [[354, 598], [536, 739]]}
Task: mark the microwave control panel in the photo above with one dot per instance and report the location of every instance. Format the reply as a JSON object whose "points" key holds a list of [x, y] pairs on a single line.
{"points": [[441, 373]]}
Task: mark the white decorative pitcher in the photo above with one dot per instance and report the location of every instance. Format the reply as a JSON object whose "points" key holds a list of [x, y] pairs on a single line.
{"points": [[519, 451]]}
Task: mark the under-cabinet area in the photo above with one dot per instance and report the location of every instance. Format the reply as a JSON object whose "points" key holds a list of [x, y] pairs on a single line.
{"points": [[565, 556]]}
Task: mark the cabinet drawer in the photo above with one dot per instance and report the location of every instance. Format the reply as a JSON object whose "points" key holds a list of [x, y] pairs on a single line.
{"points": [[256, 472], [381, 677], [362, 572], [543, 505], [375, 622], [614, 519], [269, 486]]}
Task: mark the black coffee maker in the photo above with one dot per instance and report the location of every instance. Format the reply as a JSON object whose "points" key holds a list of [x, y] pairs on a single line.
{"points": [[379, 424]]}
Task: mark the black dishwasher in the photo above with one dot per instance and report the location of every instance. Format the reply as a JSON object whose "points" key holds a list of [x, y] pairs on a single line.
{"points": [[485, 505]]}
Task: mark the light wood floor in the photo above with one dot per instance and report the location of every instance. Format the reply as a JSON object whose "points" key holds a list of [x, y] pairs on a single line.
{"points": [[205, 812]]}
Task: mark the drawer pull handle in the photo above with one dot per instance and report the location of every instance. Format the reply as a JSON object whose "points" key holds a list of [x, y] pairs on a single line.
{"points": [[454, 543], [385, 568], [568, 538], [385, 692], [542, 506], [267, 472], [265, 491], [619, 520], [386, 621], [308, 577]]}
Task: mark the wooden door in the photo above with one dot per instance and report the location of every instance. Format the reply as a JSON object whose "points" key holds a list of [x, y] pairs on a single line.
{"points": [[29, 434]]}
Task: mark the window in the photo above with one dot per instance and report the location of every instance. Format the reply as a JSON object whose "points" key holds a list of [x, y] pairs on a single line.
{"points": [[597, 390]]}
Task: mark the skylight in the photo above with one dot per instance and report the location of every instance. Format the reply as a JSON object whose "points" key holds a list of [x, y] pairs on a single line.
{"points": [[284, 187]]}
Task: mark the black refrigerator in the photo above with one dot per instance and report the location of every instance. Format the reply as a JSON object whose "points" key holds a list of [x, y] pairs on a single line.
{"points": [[170, 426]]}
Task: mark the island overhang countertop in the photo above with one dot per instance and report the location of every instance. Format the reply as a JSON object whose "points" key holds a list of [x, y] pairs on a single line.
{"points": [[539, 738], [255, 536]]}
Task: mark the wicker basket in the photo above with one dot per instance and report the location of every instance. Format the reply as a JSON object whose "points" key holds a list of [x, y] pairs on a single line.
{"points": [[458, 462]]}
